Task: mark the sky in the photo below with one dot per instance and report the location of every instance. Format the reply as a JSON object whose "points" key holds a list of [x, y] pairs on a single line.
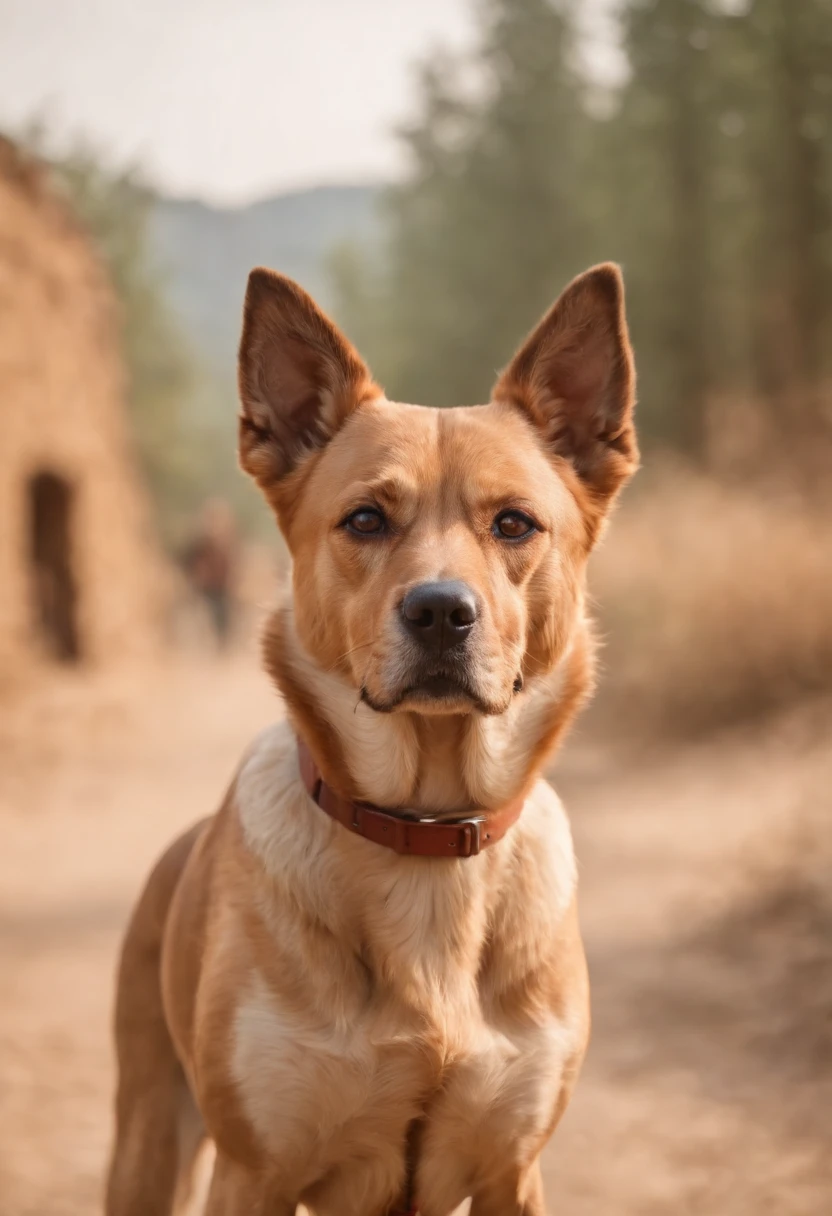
{"points": [[229, 100]]}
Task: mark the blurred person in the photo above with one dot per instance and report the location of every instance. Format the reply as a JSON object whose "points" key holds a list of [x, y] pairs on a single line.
{"points": [[210, 563]]}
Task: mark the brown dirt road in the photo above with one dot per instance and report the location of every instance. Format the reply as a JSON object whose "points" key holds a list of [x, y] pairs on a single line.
{"points": [[708, 1088]]}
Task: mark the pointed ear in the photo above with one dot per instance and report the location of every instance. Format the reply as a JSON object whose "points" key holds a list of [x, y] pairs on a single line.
{"points": [[574, 378], [299, 378]]}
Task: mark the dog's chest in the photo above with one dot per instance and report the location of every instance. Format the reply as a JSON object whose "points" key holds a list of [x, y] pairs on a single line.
{"points": [[388, 1014], [319, 1096]]}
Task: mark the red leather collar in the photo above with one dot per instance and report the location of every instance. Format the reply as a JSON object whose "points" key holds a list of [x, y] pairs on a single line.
{"points": [[419, 837]]}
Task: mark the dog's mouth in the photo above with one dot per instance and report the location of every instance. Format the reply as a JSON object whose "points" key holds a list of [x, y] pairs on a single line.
{"points": [[441, 686], [444, 692], [440, 690]]}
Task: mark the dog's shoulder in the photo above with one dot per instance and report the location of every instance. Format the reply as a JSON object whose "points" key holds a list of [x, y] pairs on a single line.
{"points": [[545, 843], [272, 808], [267, 780], [266, 761]]}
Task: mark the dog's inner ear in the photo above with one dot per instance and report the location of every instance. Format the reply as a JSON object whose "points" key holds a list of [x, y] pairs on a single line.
{"points": [[299, 378], [574, 378]]}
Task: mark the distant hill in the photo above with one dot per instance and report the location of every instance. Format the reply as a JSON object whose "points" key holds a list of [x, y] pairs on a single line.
{"points": [[208, 251]]}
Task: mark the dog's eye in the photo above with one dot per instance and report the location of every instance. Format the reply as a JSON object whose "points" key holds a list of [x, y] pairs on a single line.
{"points": [[513, 525], [366, 521]]}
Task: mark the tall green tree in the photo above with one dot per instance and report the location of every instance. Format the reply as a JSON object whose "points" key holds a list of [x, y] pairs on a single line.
{"points": [[788, 91], [489, 223], [708, 173], [665, 132]]}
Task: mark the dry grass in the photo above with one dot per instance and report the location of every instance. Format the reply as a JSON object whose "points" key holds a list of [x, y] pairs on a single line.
{"points": [[779, 934], [715, 601], [762, 963]]}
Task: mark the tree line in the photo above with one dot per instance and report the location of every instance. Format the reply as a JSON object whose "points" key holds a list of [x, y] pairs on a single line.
{"points": [[706, 171]]}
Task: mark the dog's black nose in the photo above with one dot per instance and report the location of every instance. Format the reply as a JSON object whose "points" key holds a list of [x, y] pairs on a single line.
{"points": [[440, 615]]}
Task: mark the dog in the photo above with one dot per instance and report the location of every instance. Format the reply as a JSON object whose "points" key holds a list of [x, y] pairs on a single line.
{"points": [[363, 977]]}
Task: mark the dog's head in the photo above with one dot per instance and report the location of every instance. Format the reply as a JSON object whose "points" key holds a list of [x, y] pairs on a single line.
{"points": [[438, 554]]}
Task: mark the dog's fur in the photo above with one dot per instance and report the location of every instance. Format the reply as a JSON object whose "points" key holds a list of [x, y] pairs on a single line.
{"points": [[325, 1009]]}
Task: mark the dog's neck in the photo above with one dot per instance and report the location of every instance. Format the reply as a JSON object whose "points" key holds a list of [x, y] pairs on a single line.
{"points": [[442, 763]]}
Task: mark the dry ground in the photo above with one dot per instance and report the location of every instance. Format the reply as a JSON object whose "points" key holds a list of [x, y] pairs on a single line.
{"points": [[708, 1088]]}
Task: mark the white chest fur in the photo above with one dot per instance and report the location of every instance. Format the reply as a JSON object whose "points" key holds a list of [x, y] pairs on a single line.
{"points": [[403, 1013]]}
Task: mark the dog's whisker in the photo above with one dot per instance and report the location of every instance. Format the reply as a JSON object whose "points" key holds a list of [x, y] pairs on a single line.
{"points": [[352, 650], [531, 659]]}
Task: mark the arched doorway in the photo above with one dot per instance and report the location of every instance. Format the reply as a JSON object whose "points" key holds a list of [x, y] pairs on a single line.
{"points": [[50, 551]]}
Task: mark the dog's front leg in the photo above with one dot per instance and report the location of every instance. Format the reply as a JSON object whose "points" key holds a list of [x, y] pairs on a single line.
{"points": [[514, 1195], [237, 1191]]}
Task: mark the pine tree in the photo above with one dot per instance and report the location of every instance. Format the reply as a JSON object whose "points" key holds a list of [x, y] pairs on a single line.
{"points": [[666, 131], [710, 178], [488, 225], [789, 93]]}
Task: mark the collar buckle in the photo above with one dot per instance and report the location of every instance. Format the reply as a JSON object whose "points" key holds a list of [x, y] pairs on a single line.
{"points": [[470, 835]]}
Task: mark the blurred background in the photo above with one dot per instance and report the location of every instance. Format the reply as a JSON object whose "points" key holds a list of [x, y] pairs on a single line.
{"points": [[433, 174]]}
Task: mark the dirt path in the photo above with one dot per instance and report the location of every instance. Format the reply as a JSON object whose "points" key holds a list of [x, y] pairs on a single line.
{"points": [[707, 1089], [708, 922]]}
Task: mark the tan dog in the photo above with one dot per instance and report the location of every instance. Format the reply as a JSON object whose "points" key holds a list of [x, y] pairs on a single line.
{"points": [[357, 1027]]}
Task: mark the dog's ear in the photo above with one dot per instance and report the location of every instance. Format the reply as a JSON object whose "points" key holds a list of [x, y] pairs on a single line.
{"points": [[574, 378], [299, 378]]}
